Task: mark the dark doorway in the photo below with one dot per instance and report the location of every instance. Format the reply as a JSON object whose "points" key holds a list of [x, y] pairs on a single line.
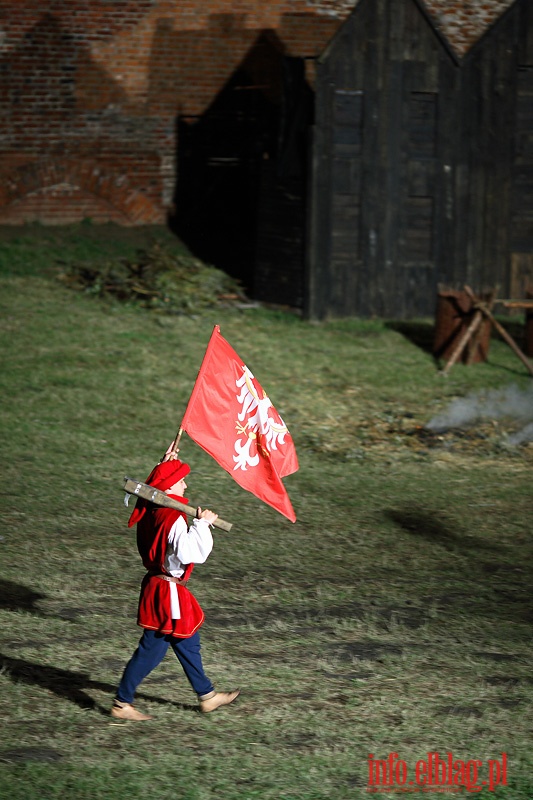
{"points": [[219, 163], [232, 161]]}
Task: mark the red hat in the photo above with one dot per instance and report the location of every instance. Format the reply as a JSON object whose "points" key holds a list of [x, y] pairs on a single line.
{"points": [[161, 477], [167, 474]]}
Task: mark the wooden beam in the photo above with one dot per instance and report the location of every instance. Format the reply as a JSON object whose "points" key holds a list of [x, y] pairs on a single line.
{"points": [[147, 492], [465, 338], [484, 308], [515, 303], [510, 341]]}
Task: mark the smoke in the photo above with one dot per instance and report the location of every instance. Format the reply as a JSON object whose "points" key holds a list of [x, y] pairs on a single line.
{"points": [[525, 435], [510, 402]]}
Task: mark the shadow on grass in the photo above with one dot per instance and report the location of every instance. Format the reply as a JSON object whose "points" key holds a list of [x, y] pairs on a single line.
{"points": [[15, 597], [72, 686], [496, 577], [439, 531], [420, 333]]}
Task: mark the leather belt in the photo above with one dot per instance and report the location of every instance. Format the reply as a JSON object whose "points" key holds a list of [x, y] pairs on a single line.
{"points": [[169, 578]]}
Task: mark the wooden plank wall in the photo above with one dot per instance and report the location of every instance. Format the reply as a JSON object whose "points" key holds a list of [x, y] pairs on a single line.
{"points": [[378, 111], [485, 145], [521, 279], [416, 177]]}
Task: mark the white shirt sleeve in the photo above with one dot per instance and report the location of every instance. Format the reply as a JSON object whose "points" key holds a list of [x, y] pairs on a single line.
{"points": [[188, 546]]}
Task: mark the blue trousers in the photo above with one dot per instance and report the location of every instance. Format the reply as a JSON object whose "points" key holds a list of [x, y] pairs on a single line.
{"points": [[151, 651]]}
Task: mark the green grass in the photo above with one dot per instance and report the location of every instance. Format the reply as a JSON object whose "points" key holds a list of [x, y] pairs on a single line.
{"points": [[38, 249], [394, 617]]}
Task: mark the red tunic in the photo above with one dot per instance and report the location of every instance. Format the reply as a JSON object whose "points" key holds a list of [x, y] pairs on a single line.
{"points": [[154, 602]]}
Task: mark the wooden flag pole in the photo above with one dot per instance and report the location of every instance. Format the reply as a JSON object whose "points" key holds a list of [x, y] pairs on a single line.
{"points": [[174, 450], [159, 498]]}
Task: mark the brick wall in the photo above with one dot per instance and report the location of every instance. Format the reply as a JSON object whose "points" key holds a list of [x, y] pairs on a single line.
{"points": [[91, 90]]}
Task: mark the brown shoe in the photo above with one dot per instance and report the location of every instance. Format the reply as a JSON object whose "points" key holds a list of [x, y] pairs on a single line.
{"points": [[127, 711], [213, 700]]}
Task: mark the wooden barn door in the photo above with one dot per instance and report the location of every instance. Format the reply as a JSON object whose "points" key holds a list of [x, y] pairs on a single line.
{"points": [[418, 196], [382, 167], [335, 252], [383, 190], [346, 170]]}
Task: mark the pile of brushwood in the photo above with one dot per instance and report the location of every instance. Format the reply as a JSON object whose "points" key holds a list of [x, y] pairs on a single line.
{"points": [[157, 278]]}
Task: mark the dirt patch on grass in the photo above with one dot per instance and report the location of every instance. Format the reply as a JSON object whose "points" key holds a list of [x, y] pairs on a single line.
{"points": [[323, 617], [366, 651], [349, 676], [507, 680], [461, 711], [21, 755], [497, 656]]}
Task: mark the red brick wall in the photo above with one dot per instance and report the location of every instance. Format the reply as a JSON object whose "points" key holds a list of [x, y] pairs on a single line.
{"points": [[90, 91]]}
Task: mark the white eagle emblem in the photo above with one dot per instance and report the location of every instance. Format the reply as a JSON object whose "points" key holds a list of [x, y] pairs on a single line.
{"points": [[258, 431]]}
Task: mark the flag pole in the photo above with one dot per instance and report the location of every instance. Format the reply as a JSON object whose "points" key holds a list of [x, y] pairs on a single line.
{"points": [[174, 450]]}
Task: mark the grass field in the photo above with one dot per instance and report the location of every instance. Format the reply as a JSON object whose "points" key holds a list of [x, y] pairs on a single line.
{"points": [[394, 617]]}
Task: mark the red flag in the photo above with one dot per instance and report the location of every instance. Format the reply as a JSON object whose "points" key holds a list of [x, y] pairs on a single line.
{"points": [[231, 418]]}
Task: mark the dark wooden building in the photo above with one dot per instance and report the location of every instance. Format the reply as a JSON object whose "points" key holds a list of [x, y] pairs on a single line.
{"points": [[422, 168]]}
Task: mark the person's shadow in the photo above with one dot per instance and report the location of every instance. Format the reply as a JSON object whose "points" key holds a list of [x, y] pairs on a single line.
{"points": [[69, 685]]}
